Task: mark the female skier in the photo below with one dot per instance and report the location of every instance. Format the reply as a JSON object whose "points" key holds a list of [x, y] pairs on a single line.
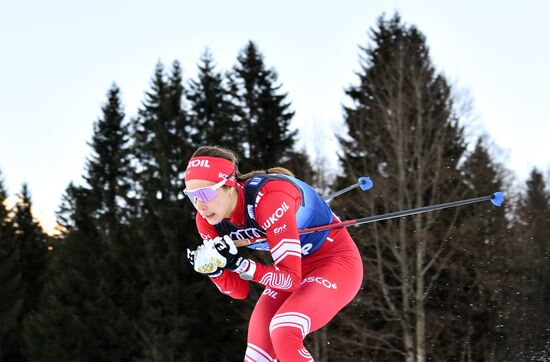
{"points": [[313, 276]]}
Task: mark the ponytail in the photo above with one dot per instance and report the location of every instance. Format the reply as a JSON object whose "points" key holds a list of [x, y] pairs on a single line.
{"points": [[273, 170]]}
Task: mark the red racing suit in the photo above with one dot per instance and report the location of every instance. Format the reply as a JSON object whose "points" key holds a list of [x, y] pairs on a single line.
{"points": [[303, 289]]}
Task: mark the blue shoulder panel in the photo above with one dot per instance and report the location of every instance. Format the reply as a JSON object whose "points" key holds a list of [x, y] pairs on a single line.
{"points": [[313, 212]]}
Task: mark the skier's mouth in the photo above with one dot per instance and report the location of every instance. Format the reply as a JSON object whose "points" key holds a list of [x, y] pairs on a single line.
{"points": [[209, 216]]}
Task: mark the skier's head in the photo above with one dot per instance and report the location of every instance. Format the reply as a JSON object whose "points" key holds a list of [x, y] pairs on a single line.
{"points": [[210, 180]]}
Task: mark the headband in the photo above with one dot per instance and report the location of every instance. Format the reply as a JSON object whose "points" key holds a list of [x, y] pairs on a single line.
{"points": [[212, 169]]}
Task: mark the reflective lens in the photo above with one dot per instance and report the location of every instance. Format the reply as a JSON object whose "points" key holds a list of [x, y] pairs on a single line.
{"points": [[204, 194]]}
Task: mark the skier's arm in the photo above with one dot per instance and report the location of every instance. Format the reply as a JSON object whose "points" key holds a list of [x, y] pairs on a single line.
{"points": [[228, 282], [276, 214]]}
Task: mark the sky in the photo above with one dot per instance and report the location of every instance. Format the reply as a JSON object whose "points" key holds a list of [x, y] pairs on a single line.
{"points": [[59, 58]]}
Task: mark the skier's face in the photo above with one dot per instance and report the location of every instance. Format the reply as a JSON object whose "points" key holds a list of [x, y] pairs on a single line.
{"points": [[218, 208]]}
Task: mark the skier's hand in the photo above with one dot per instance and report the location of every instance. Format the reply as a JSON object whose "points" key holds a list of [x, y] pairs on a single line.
{"points": [[202, 263], [225, 254]]}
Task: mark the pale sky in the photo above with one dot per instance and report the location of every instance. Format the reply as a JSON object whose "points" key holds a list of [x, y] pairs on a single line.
{"points": [[59, 58]]}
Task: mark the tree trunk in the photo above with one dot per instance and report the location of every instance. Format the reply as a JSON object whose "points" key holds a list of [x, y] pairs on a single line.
{"points": [[419, 305], [409, 345]]}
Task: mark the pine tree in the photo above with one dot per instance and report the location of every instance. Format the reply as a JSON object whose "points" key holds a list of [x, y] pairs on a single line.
{"points": [[405, 134], [11, 286], [267, 113], [31, 249], [531, 254], [108, 181], [160, 151], [108, 168], [214, 118], [68, 326], [98, 240], [472, 287], [32, 242], [160, 146]]}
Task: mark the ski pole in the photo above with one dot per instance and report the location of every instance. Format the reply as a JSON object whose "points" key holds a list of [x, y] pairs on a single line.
{"points": [[363, 182], [496, 199]]}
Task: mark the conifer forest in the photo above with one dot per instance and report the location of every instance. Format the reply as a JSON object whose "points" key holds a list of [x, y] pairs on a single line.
{"points": [[470, 283]]}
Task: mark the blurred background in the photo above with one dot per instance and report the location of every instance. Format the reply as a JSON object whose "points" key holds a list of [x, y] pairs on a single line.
{"points": [[101, 105]]}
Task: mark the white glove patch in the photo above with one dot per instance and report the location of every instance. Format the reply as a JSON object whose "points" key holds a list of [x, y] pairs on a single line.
{"points": [[203, 263]]}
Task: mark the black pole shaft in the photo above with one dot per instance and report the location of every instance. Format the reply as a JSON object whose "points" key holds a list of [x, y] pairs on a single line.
{"points": [[391, 215], [420, 210]]}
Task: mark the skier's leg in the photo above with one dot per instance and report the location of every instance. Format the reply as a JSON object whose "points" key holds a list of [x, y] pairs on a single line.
{"points": [[259, 347], [332, 278]]}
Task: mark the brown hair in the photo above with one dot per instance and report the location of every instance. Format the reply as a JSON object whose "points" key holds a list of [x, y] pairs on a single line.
{"points": [[228, 154]]}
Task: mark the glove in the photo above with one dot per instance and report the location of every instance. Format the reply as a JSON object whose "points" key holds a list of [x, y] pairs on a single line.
{"points": [[225, 254], [202, 263]]}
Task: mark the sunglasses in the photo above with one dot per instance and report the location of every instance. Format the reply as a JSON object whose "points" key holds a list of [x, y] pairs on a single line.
{"points": [[204, 194]]}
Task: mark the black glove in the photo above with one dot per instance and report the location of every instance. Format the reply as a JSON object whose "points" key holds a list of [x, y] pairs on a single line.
{"points": [[226, 255]]}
